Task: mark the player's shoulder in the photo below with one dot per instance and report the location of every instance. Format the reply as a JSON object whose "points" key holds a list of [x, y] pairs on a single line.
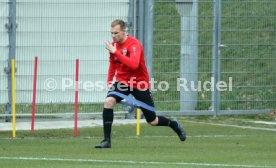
{"points": [[133, 40]]}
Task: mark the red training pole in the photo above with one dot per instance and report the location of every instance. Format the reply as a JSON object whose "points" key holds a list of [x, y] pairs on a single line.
{"points": [[76, 99], [34, 95]]}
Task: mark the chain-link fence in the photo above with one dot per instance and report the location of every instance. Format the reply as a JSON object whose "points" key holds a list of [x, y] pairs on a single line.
{"points": [[244, 59], [58, 32], [195, 44], [248, 34]]}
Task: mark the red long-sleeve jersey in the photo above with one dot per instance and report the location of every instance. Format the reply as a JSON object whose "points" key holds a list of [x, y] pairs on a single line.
{"points": [[127, 64]]}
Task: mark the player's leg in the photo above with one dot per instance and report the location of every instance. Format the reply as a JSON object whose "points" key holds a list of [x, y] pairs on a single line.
{"points": [[152, 119], [108, 114]]}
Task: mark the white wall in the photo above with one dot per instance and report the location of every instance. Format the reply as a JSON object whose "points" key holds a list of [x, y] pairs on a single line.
{"points": [[58, 32]]}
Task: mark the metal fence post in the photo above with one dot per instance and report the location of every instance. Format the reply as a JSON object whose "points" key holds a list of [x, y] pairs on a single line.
{"points": [[131, 18], [140, 21], [11, 27], [148, 34], [216, 56], [188, 10]]}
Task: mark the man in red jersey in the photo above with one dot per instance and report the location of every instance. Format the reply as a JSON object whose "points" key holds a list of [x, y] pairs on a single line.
{"points": [[127, 65]]}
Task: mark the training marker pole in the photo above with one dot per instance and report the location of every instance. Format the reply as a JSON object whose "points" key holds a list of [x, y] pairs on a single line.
{"points": [[34, 95], [138, 111], [76, 99], [13, 100]]}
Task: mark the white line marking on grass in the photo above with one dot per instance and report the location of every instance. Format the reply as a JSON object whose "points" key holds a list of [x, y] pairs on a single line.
{"points": [[236, 126], [197, 136], [135, 162], [135, 137], [262, 122]]}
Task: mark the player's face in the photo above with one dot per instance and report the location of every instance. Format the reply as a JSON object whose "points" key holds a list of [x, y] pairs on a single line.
{"points": [[118, 35]]}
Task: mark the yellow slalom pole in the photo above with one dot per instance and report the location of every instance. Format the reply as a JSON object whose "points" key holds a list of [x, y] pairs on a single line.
{"points": [[138, 112], [13, 100]]}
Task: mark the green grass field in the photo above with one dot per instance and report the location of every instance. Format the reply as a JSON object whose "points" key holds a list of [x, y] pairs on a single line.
{"points": [[210, 144]]}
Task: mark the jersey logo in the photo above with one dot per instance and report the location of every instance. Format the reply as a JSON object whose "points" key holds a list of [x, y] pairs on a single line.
{"points": [[134, 50], [124, 51]]}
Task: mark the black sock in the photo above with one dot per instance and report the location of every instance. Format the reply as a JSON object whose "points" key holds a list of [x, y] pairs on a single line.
{"points": [[163, 121], [107, 122], [174, 125]]}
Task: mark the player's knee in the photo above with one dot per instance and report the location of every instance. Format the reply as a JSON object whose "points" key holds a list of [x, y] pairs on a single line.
{"points": [[109, 102], [154, 122]]}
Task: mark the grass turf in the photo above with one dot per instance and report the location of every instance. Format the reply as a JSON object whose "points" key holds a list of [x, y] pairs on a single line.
{"points": [[207, 146]]}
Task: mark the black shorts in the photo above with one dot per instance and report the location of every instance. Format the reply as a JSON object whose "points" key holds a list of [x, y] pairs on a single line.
{"points": [[141, 95]]}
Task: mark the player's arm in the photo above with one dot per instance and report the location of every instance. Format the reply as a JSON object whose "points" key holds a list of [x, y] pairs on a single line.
{"points": [[111, 70], [134, 56]]}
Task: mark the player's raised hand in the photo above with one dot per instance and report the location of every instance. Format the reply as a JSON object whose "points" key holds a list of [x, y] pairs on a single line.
{"points": [[112, 49]]}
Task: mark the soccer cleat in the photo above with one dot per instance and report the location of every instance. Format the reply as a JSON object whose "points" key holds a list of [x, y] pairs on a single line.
{"points": [[104, 144], [179, 129]]}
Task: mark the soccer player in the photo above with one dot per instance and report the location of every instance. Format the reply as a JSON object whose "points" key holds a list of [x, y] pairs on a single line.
{"points": [[127, 64]]}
